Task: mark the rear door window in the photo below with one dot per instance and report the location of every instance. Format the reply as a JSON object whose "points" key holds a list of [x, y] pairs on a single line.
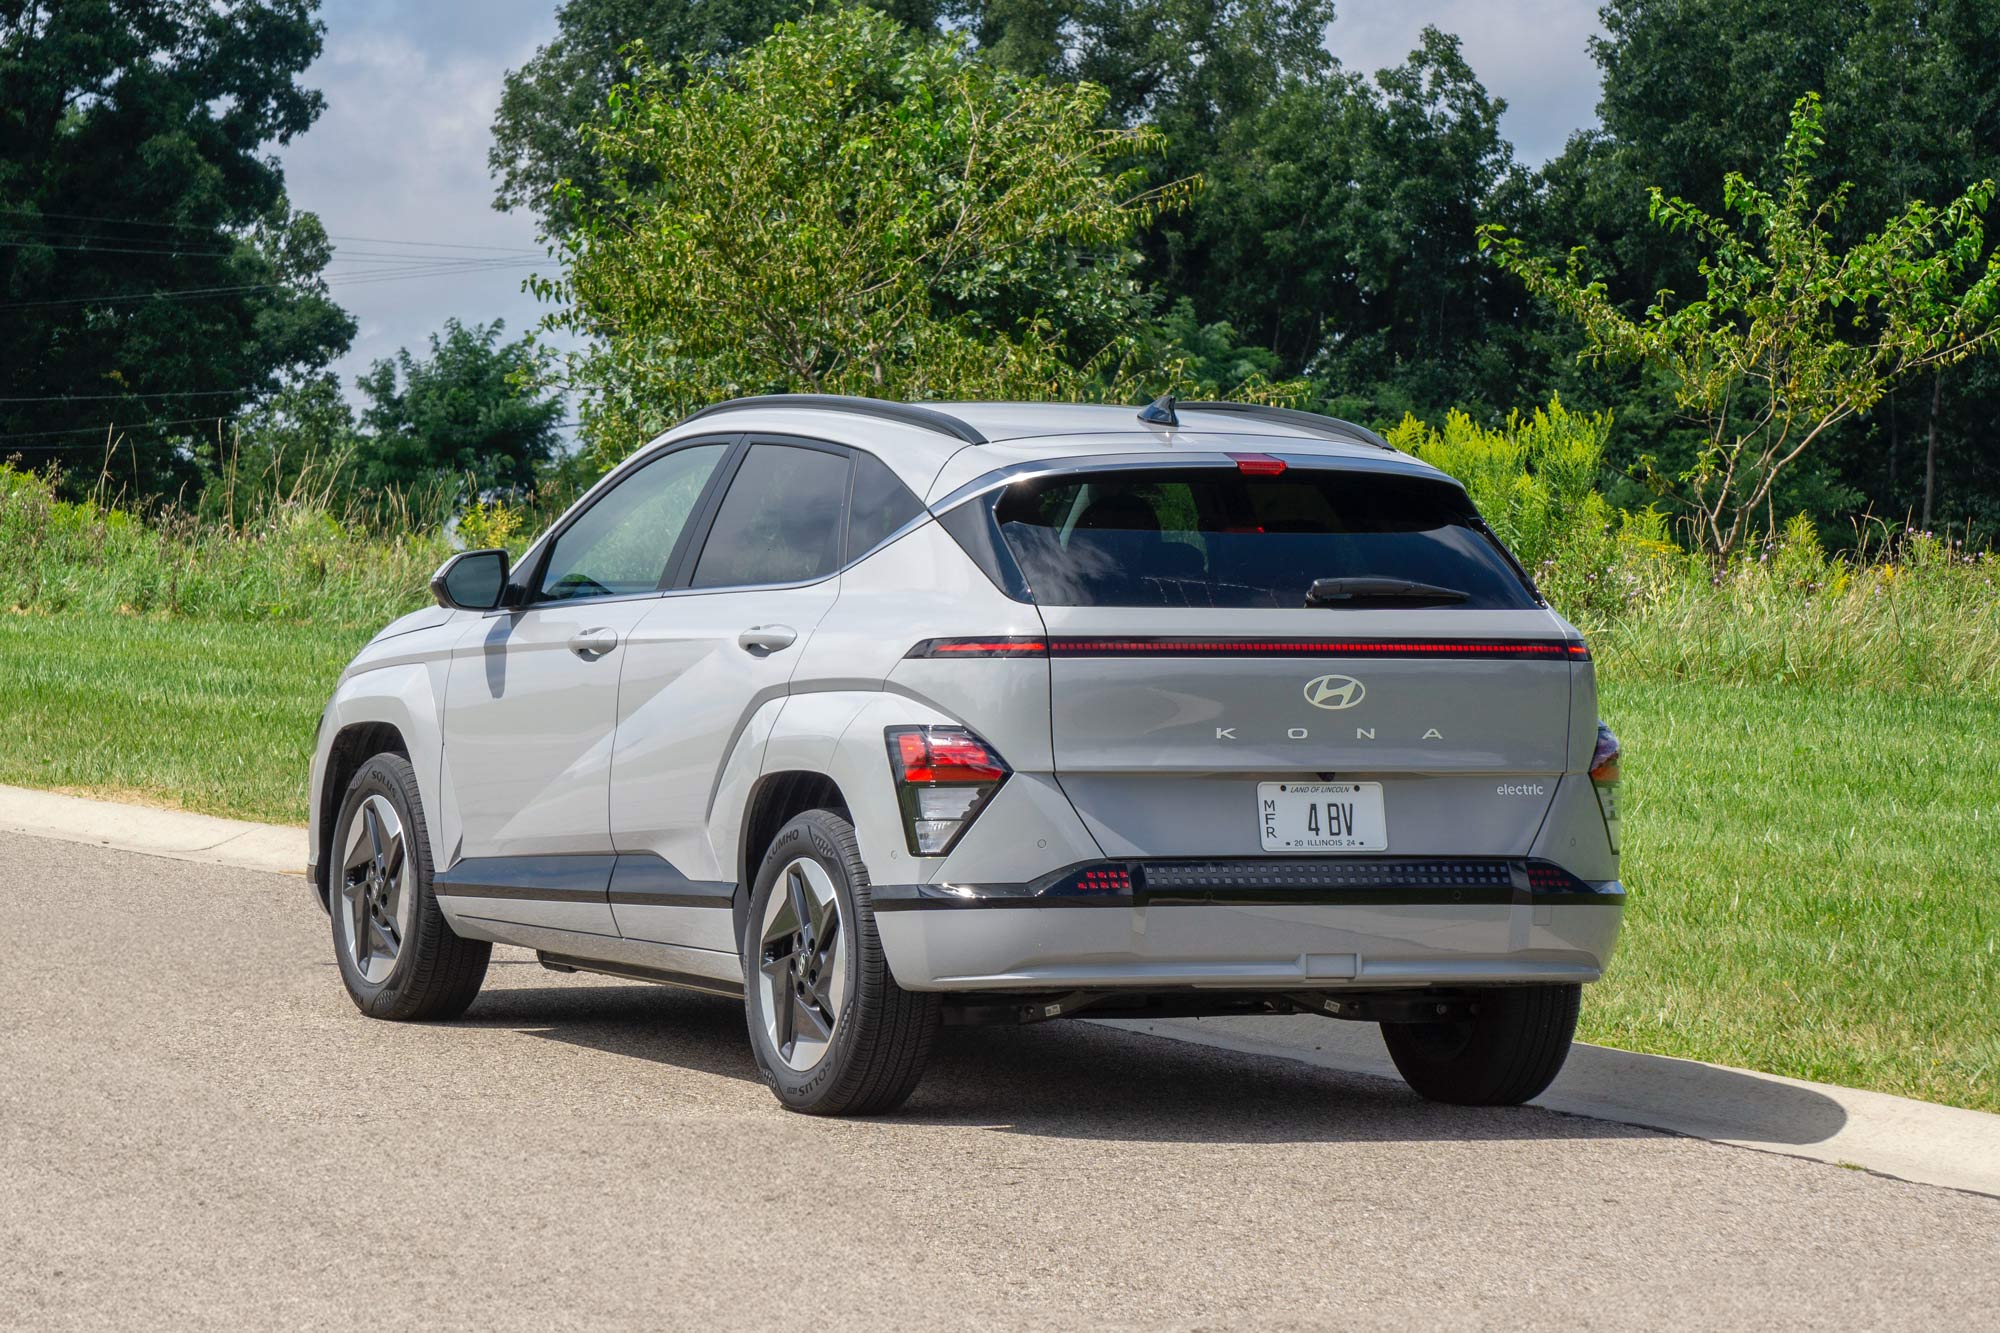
{"points": [[1216, 537], [780, 522]]}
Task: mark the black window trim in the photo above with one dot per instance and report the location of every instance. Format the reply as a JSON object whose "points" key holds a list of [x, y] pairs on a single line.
{"points": [[525, 592], [681, 573], [527, 576]]}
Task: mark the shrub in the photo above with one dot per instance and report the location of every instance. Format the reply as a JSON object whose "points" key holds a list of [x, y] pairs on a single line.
{"points": [[1914, 613], [1536, 481]]}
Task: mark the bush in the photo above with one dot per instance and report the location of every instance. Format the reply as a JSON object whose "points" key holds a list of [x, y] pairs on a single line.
{"points": [[1914, 613], [1536, 482]]}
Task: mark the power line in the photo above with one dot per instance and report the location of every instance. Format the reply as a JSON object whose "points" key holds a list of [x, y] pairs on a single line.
{"points": [[40, 243], [340, 279], [109, 427], [122, 436], [136, 393], [188, 226]]}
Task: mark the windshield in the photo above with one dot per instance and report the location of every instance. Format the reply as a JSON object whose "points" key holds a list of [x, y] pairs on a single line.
{"points": [[1216, 537]]}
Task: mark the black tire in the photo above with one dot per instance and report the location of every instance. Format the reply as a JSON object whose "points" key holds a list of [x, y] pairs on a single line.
{"points": [[434, 974], [882, 1034], [1507, 1053]]}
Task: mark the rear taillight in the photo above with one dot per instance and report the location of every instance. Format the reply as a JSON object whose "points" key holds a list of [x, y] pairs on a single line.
{"points": [[1604, 779], [944, 778]]}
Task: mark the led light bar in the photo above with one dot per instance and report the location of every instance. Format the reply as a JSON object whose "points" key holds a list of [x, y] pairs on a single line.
{"points": [[1543, 650]]}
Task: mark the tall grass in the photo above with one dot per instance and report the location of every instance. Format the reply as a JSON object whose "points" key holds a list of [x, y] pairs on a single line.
{"points": [[1902, 612], [294, 561]]}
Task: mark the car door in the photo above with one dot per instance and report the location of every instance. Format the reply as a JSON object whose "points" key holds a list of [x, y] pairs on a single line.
{"points": [[532, 699], [700, 665]]}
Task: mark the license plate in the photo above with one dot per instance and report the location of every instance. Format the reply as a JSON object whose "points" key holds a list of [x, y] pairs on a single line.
{"points": [[1322, 817]]}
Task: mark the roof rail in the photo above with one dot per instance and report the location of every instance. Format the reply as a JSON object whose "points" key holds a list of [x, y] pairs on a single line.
{"points": [[1332, 427], [908, 414]]}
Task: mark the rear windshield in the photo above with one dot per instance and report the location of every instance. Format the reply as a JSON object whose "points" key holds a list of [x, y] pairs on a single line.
{"points": [[1215, 537]]}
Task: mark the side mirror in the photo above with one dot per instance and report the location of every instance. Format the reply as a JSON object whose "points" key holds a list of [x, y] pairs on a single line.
{"points": [[471, 581]]}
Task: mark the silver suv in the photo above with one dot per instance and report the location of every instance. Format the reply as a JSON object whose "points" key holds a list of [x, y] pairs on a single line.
{"points": [[883, 717]]}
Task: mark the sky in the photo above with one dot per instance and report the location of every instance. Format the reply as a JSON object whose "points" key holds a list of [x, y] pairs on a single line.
{"points": [[397, 164]]}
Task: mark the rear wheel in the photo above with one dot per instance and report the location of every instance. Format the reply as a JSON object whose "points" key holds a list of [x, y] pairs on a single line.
{"points": [[832, 1031], [1508, 1052], [397, 956]]}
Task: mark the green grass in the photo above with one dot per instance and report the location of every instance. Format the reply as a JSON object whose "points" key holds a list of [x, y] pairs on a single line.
{"points": [[216, 716], [1813, 881], [1813, 871]]}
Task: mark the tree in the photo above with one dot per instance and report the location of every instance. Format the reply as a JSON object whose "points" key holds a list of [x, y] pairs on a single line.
{"points": [[1696, 87], [151, 269], [1189, 67], [538, 136], [1339, 230], [848, 207], [468, 410], [1794, 335]]}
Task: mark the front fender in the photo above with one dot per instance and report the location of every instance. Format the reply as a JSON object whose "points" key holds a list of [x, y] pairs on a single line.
{"points": [[409, 697]]}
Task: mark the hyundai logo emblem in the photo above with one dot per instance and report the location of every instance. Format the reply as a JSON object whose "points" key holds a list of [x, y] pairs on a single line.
{"points": [[1335, 692]]}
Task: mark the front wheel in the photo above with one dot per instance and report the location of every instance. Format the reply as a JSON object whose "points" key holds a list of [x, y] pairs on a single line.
{"points": [[1507, 1053], [832, 1031], [397, 955]]}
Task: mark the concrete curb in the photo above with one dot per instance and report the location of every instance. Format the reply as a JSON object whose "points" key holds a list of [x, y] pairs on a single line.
{"points": [[1873, 1131], [136, 828], [1893, 1136]]}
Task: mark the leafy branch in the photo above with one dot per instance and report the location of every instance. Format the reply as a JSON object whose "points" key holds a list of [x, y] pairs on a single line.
{"points": [[1793, 336]]}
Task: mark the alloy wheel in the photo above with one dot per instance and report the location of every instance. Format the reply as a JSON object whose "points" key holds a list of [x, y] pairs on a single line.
{"points": [[802, 964], [376, 897]]}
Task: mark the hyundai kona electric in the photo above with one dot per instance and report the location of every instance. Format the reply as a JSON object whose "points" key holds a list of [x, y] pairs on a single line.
{"points": [[881, 717]]}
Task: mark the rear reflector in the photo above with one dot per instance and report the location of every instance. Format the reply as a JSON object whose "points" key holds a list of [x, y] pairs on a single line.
{"points": [[1544, 650], [1604, 780]]}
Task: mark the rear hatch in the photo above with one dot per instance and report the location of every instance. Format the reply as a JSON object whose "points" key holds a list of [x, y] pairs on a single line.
{"points": [[1258, 658]]}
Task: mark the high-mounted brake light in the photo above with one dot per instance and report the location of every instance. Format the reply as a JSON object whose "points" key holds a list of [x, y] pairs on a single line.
{"points": [[1259, 465], [1604, 779], [944, 778]]}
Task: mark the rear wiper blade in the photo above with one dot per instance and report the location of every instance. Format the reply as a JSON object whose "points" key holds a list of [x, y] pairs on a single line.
{"points": [[1335, 592]]}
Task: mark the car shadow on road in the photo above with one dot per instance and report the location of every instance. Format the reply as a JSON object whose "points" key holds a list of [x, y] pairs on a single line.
{"points": [[1056, 1080]]}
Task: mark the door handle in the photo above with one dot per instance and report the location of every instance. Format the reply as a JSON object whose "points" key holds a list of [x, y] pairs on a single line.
{"points": [[592, 644], [763, 640]]}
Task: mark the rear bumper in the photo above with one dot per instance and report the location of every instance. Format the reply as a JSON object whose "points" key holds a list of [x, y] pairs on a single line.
{"points": [[1199, 926]]}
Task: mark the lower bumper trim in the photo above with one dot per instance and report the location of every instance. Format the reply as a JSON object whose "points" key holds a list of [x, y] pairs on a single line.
{"points": [[1272, 881]]}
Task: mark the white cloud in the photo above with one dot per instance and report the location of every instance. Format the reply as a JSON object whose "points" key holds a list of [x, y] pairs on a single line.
{"points": [[1534, 53], [400, 155]]}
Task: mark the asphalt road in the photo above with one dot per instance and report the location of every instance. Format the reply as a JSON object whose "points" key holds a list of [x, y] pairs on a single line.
{"points": [[196, 1126]]}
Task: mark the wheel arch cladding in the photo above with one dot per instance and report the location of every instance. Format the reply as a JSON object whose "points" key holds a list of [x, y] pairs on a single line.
{"points": [[776, 800], [352, 746]]}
